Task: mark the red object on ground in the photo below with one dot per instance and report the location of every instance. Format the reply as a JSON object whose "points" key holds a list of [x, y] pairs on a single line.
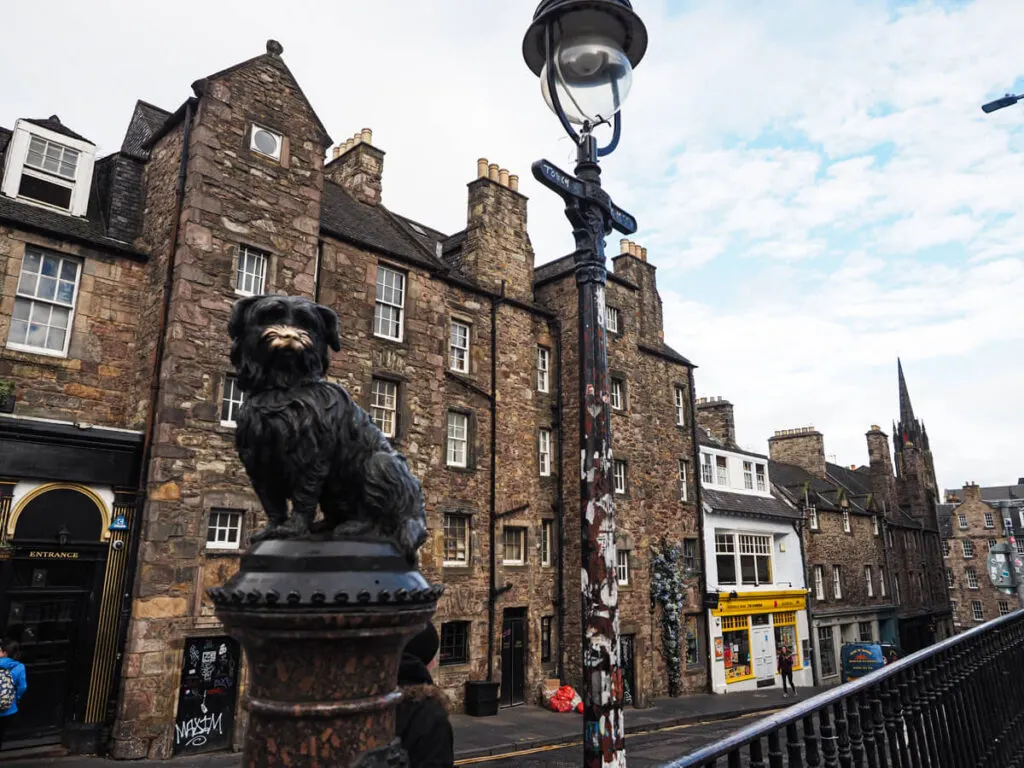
{"points": [[566, 700]]}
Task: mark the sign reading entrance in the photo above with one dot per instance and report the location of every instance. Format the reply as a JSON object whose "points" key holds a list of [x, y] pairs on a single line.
{"points": [[42, 554], [209, 690]]}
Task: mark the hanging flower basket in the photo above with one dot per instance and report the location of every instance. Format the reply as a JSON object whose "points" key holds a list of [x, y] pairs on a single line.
{"points": [[6, 396]]}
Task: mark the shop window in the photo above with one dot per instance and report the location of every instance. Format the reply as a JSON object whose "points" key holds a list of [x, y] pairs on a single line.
{"points": [[454, 642], [827, 651], [691, 635], [736, 648], [786, 635]]}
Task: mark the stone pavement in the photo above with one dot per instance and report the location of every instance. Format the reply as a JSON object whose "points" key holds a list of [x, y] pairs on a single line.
{"points": [[511, 730]]}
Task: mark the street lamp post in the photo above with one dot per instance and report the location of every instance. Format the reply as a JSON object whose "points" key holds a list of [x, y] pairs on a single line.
{"points": [[584, 52], [1001, 103]]}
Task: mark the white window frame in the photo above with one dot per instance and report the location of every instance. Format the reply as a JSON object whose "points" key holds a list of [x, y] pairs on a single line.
{"points": [[509, 535], [950, 579], [618, 395], [611, 319], [990, 520], [622, 567], [956, 614], [812, 515], [837, 582], [384, 406], [16, 166], [707, 468], [760, 477], [619, 476], [224, 523], [874, 522], [544, 452], [1004, 607], [32, 300], [680, 403], [748, 475], [962, 520], [945, 547], [543, 369], [458, 346], [251, 270], [722, 471], [390, 297], [968, 548], [819, 582], [276, 154], [232, 397], [869, 580], [971, 577], [846, 521], [454, 441], [881, 581], [547, 529], [683, 491], [456, 525], [977, 611]]}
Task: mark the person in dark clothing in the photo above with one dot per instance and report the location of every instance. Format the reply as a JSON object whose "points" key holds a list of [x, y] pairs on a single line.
{"points": [[786, 670], [421, 721]]}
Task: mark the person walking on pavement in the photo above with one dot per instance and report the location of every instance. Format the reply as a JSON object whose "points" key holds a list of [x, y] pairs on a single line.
{"points": [[12, 684], [786, 670], [421, 721]]}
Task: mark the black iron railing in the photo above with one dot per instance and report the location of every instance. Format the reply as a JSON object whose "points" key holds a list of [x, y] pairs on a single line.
{"points": [[955, 704]]}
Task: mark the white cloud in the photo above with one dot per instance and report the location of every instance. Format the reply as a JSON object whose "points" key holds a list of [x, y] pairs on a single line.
{"points": [[815, 180]]}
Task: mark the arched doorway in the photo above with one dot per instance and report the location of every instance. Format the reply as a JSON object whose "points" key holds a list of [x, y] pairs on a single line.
{"points": [[49, 602]]}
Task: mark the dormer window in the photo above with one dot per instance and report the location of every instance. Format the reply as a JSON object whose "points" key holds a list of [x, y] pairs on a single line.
{"points": [[46, 167]]}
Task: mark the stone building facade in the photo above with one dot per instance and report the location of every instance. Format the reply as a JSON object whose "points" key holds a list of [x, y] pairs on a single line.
{"points": [[118, 474], [872, 544], [971, 525]]}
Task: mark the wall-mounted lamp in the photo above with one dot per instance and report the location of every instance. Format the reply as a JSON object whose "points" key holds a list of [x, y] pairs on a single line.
{"points": [[63, 536]]}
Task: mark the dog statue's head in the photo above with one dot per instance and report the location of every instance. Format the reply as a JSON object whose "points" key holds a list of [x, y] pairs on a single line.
{"points": [[278, 341]]}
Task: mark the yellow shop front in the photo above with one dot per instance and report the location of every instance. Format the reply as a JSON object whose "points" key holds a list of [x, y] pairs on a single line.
{"points": [[747, 629]]}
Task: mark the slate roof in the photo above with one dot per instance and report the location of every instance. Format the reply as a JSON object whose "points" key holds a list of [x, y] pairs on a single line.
{"points": [[374, 226], [992, 492], [713, 442], [742, 504], [825, 494], [54, 124], [856, 480], [85, 230], [552, 269], [146, 121]]}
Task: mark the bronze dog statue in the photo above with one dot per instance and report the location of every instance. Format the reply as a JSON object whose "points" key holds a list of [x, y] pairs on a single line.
{"points": [[302, 439]]}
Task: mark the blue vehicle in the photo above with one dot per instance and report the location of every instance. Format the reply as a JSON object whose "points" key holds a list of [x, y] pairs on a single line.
{"points": [[859, 659]]}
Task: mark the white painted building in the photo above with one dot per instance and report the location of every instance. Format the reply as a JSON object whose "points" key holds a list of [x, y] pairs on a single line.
{"points": [[755, 568]]}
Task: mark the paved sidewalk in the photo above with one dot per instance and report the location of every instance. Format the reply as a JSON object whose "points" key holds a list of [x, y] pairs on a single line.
{"points": [[511, 730]]}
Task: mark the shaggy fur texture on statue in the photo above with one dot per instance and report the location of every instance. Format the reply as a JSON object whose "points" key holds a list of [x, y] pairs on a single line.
{"points": [[302, 439]]}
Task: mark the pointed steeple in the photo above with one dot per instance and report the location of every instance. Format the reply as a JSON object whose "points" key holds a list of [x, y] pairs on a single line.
{"points": [[906, 409]]}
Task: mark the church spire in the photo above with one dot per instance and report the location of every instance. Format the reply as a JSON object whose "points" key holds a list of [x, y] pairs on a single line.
{"points": [[906, 409]]}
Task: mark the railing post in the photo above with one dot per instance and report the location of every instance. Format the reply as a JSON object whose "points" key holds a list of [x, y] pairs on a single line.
{"points": [[911, 726], [867, 730], [843, 733], [878, 725], [756, 755], [893, 723], [793, 746], [775, 756]]}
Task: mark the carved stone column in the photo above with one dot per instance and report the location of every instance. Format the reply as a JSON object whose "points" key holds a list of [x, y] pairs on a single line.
{"points": [[323, 625]]}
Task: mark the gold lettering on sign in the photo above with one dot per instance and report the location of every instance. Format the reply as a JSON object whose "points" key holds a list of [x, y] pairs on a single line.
{"points": [[41, 555]]}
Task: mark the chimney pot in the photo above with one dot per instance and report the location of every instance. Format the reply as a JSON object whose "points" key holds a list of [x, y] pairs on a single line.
{"points": [[513, 182], [503, 177], [632, 248], [492, 172], [481, 168], [367, 136], [336, 152], [624, 245], [643, 254]]}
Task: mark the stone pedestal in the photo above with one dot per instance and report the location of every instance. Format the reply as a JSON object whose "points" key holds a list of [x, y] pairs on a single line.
{"points": [[323, 625]]}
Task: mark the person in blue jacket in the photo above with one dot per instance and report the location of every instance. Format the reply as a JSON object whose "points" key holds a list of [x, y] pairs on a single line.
{"points": [[10, 652]]}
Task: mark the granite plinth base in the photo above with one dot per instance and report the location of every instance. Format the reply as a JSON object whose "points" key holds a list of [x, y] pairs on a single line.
{"points": [[323, 625]]}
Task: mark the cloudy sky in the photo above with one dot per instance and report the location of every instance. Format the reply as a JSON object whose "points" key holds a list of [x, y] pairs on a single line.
{"points": [[815, 180]]}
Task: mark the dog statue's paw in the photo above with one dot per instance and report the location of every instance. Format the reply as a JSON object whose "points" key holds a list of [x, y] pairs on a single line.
{"points": [[294, 527], [270, 532], [352, 528]]}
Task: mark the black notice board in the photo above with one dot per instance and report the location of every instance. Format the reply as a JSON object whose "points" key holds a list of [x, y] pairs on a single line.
{"points": [[207, 696]]}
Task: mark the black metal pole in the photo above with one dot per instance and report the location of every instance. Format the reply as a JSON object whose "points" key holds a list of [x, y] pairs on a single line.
{"points": [[603, 723]]}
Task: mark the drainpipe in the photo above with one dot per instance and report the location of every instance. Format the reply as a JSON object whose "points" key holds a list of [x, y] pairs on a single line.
{"points": [[889, 575], [154, 395], [560, 505], [709, 685], [316, 270], [798, 526], [492, 592]]}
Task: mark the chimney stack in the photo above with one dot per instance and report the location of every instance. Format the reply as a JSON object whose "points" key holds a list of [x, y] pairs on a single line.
{"points": [[972, 492], [716, 415], [803, 447], [358, 167]]}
